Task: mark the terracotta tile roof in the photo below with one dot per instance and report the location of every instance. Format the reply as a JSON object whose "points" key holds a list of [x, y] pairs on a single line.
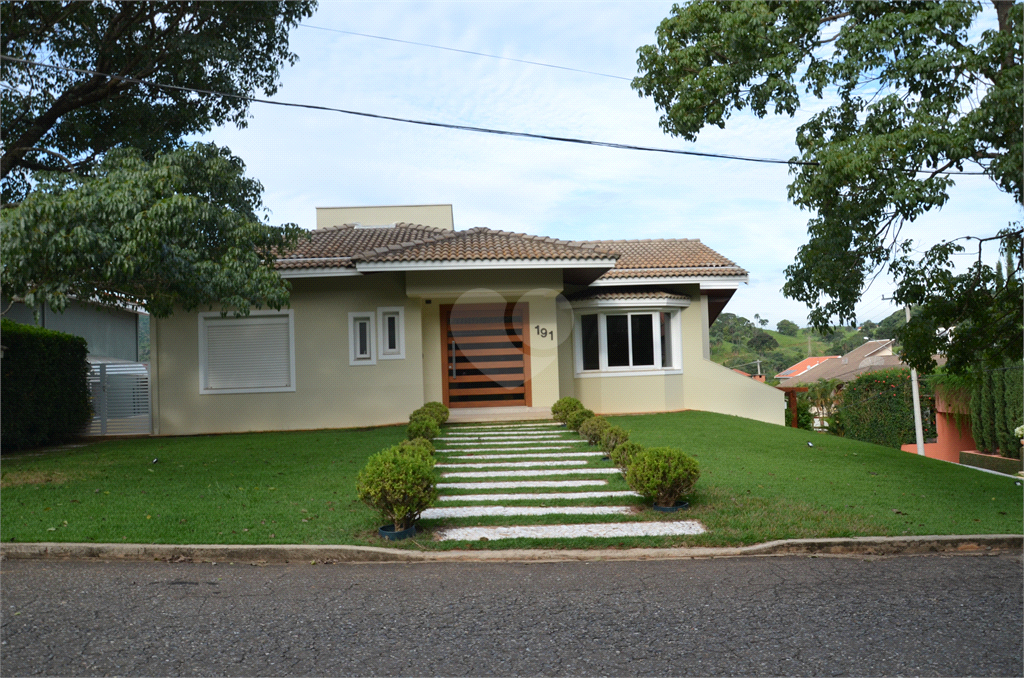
{"points": [[868, 357], [803, 366], [625, 294], [344, 246], [666, 258]]}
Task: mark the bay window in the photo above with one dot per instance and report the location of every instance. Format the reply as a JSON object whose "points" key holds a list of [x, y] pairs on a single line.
{"points": [[627, 340]]}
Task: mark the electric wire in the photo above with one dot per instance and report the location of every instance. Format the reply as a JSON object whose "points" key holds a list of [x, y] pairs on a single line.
{"points": [[442, 125]]}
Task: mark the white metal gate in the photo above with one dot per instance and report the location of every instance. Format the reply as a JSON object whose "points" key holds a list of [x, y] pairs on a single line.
{"points": [[120, 399]]}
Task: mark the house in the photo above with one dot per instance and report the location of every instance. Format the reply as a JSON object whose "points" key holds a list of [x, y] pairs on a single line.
{"points": [[796, 370], [870, 356], [392, 307]]}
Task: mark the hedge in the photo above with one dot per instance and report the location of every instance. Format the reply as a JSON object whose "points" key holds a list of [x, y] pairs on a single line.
{"points": [[878, 407], [44, 398], [997, 408]]}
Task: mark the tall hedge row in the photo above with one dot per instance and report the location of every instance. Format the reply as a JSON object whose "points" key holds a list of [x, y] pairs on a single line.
{"points": [[997, 408], [44, 392], [878, 407]]}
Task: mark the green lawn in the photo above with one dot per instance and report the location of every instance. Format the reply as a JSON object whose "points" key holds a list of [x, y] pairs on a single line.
{"points": [[759, 482]]}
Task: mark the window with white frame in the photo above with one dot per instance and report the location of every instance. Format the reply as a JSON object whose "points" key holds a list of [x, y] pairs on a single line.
{"points": [[254, 354], [627, 340], [360, 339], [391, 332]]}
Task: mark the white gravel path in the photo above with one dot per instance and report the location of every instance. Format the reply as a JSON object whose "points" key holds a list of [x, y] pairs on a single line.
{"points": [[504, 434], [583, 530], [532, 473], [560, 441], [513, 484], [477, 511], [460, 427], [541, 455], [507, 449], [515, 464], [537, 496]]}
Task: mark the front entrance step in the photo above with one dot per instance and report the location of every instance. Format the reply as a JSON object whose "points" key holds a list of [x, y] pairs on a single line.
{"points": [[614, 530], [478, 511], [465, 415]]}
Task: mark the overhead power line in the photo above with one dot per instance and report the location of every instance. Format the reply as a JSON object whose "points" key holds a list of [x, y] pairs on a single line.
{"points": [[464, 51], [427, 123]]}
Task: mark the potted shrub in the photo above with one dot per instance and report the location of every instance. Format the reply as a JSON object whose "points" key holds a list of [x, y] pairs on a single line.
{"points": [[563, 406], [592, 429], [422, 426], [612, 437], [663, 474], [400, 484], [623, 454], [575, 418]]}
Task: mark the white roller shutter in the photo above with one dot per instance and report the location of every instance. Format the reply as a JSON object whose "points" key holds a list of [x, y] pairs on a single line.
{"points": [[246, 354]]}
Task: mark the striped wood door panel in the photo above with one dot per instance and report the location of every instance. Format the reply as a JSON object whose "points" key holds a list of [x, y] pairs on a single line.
{"points": [[487, 355]]}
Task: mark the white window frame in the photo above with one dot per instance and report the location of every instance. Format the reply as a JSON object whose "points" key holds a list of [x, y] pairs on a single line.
{"points": [[371, 319], [204, 319], [383, 313], [675, 327]]}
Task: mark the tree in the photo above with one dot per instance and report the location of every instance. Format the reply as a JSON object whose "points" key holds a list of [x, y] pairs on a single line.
{"points": [[788, 328], [762, 341], [920, 94], [180, 230], [62, 120]]}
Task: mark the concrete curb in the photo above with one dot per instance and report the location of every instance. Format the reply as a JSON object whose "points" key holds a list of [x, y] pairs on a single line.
{"points": [[372, 554]]}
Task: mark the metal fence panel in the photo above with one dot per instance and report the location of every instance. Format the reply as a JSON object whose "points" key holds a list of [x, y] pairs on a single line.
{"points": [[120, 399]]}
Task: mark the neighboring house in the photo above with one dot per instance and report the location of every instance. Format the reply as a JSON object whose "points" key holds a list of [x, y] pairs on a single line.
{"points": [[386, 317], [112, 333], [796, 370], [869, 357]]}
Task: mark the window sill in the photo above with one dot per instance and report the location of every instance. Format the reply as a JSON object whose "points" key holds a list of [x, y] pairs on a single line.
{"points": [[270, 389], [627, 373]]}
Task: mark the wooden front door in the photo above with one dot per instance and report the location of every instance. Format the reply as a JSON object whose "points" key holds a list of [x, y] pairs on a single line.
{"points": [[486, 355]]}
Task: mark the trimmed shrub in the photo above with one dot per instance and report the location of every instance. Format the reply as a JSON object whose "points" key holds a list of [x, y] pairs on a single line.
{"points": [[662, 474], [878, 407], [417, 445], [996, 409], [563, 406], [622, 455], [435, 410], [612, 437], [45, 386], [422, 426], [592, 429], [575, 419], [399, 484]]}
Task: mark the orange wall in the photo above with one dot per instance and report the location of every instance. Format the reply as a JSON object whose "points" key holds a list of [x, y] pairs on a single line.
{"points": [[950, 441]]}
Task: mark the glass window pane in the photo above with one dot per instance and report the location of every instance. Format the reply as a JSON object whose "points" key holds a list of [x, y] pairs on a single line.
{"points": [[666, 340], [363, 342], [618, 340], [643, 339], [591, 357], [392, 331]]}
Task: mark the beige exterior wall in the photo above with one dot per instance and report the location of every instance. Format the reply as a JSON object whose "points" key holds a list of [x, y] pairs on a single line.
{"points": [[438, 216], [329, 392]]}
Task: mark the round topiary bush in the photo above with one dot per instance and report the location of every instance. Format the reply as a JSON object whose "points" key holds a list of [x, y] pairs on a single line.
{"points": [[418, 445], [436, 410], [399, 484], [592, 429], [575, 418], [563, 406], [662, 474], [622, 455], [612, 437], [422, 426]]}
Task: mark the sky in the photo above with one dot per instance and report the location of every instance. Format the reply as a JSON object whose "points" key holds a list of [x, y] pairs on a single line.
{"points": [[308, 159]]}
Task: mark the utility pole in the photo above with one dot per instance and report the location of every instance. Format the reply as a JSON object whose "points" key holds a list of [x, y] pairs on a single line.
{"points": [[918, 428]]}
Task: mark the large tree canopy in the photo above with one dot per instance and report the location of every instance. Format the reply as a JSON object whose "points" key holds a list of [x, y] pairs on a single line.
{"points": [[915, 94], [63, 120], [182, 230]]}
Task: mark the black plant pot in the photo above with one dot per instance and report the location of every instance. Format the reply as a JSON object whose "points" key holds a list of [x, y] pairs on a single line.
{"points": [[389, 532], [679, 505]]}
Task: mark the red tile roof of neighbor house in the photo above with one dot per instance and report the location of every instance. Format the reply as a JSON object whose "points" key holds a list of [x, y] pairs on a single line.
{"points": [[868, 357], [345, 246], [802, 366]]}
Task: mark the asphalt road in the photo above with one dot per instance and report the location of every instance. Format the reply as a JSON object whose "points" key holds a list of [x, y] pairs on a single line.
{"points": [[924, 615]]}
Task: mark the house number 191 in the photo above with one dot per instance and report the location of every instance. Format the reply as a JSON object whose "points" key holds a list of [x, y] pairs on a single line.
{"points": [[544, 333]]}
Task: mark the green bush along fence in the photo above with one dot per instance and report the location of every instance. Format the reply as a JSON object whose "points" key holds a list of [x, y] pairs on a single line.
{"points": [[997, 408], [878, 407]]}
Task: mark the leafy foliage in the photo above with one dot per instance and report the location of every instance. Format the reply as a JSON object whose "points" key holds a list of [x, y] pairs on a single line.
{"points": [[435, 410], [593, 429], [762, 342], [878, 407], [60, 120], [787, 327], [419, 445], [575, 419], [623, 454], [399, 483], [563, 406], [612, 437], [45, 386], [997, 408], [422, 426], [921, 94], [180, 231], [662, 474]]}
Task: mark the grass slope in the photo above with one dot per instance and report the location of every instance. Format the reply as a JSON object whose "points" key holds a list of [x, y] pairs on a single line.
{"points": [[759, 482]]}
